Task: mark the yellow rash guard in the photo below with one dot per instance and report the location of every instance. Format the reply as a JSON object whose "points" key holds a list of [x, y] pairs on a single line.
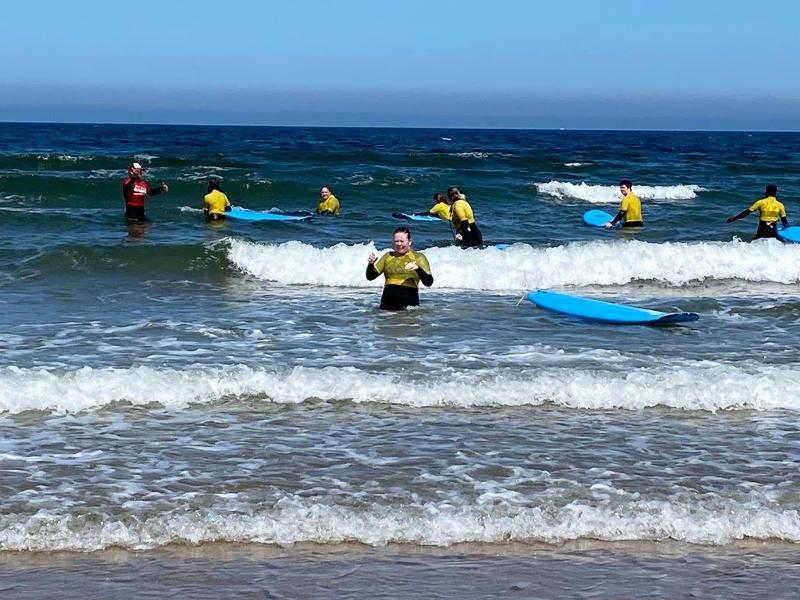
{"points": [[770, 209], [393, 268], [215, 202], [329, 206]]}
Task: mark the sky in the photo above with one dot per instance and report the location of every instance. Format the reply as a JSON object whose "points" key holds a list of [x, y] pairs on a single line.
{"points": [[602, 64]]}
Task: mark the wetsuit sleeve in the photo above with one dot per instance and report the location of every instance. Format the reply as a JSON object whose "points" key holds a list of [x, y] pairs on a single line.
{"points": [[741, 215], [154, 191], [618, 218], [371, 272], [424, 270], [127, 185], [784, 221]]}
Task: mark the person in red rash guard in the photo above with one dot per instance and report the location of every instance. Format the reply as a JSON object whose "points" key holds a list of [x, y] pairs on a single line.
{"points": [[134, 189]]}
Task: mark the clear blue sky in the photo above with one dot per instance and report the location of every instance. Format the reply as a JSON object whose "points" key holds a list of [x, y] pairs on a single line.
{"points": [[682, 64]]}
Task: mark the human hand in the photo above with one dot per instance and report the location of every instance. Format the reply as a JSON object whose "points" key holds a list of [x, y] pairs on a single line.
{"points": [[458, 237], [372, 258], [608, 225], [412, 266], [729, 220]]}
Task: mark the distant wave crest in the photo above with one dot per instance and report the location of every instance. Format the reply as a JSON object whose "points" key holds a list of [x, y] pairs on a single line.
{"points": [[609, 194]]}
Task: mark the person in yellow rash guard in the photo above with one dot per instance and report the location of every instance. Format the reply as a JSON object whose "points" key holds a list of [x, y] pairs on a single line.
{"points": [[441, 207], [630, 209], [467, 233], [215, 203], [403, 269], [328, 203], [769, 211]]}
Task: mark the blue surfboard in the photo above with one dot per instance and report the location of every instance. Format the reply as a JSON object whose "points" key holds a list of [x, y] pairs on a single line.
{"points": [[596, 218], [606, 312], [789, 234], [414, 217], [244, 214]]}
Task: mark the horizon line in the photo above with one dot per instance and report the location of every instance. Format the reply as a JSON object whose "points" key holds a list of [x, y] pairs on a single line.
{"points": [[445, 127]]}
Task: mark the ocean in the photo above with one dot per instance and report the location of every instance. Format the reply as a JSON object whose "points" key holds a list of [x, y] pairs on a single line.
{"points": [[221, 410]]}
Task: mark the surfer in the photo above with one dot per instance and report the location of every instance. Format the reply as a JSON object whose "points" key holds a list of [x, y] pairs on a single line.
{"points": [[134, 189], [630, 209], [770, 209], [441, 207], [467, 234], [403, 269], [328, 203], [215, 202]]}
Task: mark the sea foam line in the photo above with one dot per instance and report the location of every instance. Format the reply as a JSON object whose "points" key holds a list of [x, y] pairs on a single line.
{"points": [[523, 267], [292, 520], [702, 386]]}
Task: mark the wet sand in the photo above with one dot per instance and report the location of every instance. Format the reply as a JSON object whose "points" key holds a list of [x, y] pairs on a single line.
{"points": [[578, 570]]}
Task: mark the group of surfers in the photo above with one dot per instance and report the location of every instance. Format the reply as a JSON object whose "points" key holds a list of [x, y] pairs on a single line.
{"points": [[405, 268]]}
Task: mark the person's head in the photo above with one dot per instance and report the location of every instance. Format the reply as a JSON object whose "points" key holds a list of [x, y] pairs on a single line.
{"points": [[439, 197], [772, 190], [325, 191], [625, 186], [135, 170], [401, 243], [453, 193], [213, 184]]}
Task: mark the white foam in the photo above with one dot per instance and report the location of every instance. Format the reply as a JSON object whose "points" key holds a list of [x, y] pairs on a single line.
{"points": [[293, 519], [523, 267], [705, 386], [609, 194]]}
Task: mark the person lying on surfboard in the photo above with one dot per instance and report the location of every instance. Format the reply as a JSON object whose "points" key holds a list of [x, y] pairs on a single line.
{"points": [[770, 209], [403, 269], [630, 209]]}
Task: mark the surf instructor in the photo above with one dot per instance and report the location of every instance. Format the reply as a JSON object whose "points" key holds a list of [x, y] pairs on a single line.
{"points": [[403, 269], [134, 190], [770, 209]]}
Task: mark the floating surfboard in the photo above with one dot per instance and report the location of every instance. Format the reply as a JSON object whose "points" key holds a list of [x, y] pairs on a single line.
{"points": [[596, 218], [415, 217], [244, 214], [789, 234], [607, 312]]}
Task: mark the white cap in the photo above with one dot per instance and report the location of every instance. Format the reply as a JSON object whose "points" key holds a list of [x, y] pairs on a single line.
{"points": [[136, 166]]}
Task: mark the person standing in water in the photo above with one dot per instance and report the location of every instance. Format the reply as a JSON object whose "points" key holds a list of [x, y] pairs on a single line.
{"points": [[328, 203], [467, 233], [630, 209], [215, 202], [404, 269], [134, 190], [770, 209]]}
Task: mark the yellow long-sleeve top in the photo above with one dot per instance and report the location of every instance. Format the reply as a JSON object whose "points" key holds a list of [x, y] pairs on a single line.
{"points": [[215, 202], [329, 206], [393, 265]]}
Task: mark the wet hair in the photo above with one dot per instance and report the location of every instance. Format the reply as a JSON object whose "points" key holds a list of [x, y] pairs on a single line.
{"points": [[405, 230], [439, 197], [213, 184], [627, 183], [329, 188], [772, 190], [453, 192]]}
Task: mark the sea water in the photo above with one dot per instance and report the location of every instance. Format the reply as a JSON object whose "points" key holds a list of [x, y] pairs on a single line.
{"points": [[225, 403]]}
